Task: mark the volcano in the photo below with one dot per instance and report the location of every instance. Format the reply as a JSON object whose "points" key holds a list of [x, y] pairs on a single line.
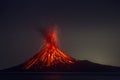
{"points": [[50, 55], [51, 59]]}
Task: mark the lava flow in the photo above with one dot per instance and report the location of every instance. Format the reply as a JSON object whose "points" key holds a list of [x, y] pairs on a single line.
{"points": [[50, 55]]}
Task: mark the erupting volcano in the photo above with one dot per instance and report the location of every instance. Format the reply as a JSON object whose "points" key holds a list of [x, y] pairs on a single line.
{"points": [[51, 59], [50, 55]]}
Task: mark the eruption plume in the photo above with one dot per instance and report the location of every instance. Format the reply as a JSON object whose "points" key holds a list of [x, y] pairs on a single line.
{"points": [[50, 55]]}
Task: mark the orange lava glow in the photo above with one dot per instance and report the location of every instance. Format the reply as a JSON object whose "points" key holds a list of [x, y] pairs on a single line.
{"points": [[50, 55]]}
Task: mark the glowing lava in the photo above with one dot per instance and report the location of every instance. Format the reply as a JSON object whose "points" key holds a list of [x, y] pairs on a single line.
{"points": [[50, 55]]}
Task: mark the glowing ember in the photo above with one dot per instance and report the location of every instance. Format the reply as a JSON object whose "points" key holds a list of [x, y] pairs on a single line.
{"points": [[50, 55]]}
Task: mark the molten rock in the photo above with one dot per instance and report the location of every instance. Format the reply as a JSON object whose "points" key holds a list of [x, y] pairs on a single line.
{"points": [[50, 55]]}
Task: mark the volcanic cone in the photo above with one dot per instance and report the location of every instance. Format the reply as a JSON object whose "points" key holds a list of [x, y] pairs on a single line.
{"points": [[50, 55]]}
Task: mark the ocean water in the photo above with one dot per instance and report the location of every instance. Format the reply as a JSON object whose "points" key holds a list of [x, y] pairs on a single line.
{"points": [[59, 75]]}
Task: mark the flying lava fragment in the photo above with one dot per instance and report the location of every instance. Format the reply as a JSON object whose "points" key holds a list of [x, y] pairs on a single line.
{"points": [[50, 55]]}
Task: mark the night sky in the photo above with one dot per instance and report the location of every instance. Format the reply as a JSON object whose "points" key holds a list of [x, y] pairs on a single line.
{"points": [[89, 30]]}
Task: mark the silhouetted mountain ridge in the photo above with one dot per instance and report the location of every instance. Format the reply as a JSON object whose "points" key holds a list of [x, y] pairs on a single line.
{"points": [[78, 66]]}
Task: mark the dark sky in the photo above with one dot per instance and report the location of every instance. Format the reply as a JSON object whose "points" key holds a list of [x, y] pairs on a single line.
{"points": [[89, 30]]}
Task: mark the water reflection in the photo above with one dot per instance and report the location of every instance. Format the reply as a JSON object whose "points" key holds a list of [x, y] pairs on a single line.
{"points": [[52, 77], [60, 76]]}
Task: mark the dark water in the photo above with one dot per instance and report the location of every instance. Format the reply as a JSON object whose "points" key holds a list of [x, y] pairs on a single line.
{"points": [[60, 76]]}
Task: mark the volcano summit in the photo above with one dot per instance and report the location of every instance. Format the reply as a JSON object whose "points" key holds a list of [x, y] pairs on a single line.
{"points": [[51, 59]]}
